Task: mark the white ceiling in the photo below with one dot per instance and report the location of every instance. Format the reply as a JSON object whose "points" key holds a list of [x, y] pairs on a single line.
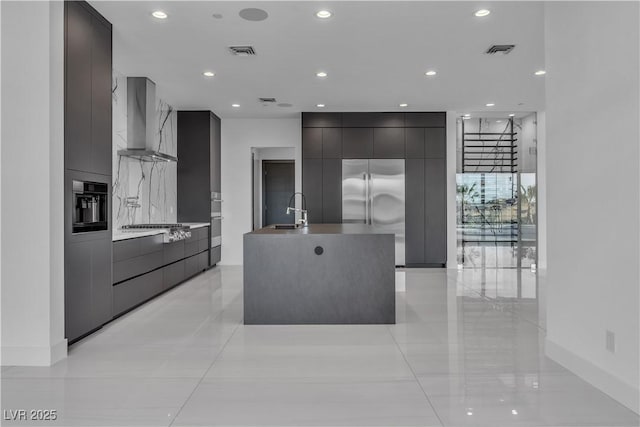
{"points": [[375, 54]]}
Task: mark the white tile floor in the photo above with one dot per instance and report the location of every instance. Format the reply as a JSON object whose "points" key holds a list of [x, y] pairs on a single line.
{"points": [[467, 351]]}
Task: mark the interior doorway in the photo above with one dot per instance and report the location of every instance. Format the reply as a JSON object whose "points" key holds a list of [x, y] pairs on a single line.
{"points": [[278, 184], [270, 157]]}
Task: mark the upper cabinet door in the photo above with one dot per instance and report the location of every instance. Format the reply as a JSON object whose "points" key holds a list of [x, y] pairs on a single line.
{"points": [[425, 120], [414, 143], [321, 120], [331, 143], [357, 143], [101, 103], [435, 143], [312, 189], [78, 88], [374, 120], [312, 143], [388, 143]]}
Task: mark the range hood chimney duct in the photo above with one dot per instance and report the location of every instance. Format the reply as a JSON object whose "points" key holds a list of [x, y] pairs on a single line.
{"points": [[142, 122]]}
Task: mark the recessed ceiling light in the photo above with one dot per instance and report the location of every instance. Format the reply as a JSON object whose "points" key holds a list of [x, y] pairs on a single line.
{"points": [[321, 74], [159, 14], [512, 115], [208, 74], [235, 105], [469, 413], [320, 105], [430, 73], [514, 412], [403, 105], [498, 121], [323, 14], [482, 12], [491, 104], [540, 73]]}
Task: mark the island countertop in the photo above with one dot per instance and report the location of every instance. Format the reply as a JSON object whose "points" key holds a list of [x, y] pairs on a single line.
{"points": [[323, 229]]}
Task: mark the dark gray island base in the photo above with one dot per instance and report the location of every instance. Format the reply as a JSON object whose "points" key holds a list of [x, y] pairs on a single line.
{"points": [[320, 274]]}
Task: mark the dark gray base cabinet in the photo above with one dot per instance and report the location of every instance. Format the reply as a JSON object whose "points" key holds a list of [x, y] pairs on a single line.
{"points": [[87, 286], [145, 267]]}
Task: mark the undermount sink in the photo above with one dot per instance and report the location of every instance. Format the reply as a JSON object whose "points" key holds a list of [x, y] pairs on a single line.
{"points": [[285, 226]]}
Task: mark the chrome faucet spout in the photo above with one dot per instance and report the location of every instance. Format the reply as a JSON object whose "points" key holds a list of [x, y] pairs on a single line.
{"points": [[302, 221]]}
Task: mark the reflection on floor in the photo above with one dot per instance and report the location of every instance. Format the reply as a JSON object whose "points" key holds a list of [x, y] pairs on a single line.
{"points": [[467, 350]]}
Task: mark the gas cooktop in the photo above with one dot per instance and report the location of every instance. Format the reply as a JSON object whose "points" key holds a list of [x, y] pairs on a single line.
{"points": [[175, 231], [151, 226]]}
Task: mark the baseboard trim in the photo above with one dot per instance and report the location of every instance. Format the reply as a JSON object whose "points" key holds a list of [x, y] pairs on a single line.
{"points": [[32, 355], [623, 392]]}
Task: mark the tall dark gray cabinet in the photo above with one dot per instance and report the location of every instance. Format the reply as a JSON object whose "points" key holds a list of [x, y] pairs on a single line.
{"points": [[199, 143], [87, 147], [419, 138]]}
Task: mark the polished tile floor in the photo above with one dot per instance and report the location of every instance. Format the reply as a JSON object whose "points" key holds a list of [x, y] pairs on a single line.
{"points": [[467, 350]]}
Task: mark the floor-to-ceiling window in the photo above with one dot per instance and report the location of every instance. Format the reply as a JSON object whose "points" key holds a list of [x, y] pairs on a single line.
{"points": [[496, 191]]}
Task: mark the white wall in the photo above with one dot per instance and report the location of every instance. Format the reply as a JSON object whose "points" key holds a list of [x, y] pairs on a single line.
{"points": [[593, 192], [32, 183], [239, 136]]}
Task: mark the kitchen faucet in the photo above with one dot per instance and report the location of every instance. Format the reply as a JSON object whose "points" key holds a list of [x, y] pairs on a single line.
{"points": [[302, 221]]}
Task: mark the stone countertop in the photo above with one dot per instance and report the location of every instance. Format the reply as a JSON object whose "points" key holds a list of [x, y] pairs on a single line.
{"points": [[133, 234], [322, 229]]}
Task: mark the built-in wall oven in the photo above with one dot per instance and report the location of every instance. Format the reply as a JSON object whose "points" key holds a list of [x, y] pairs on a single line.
{"points": [[90, 206]]}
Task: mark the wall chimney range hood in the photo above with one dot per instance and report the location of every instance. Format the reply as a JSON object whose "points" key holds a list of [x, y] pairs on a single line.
{"points": [[142, 122]]}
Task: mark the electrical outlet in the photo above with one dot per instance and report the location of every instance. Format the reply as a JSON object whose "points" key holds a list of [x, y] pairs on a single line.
{"points": [[611, 341]]}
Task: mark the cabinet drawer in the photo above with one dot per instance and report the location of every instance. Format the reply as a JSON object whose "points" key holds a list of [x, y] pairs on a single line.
{"points": [[172, 274], [131, 248], [216, 254], [173, 251], [200, 233], [203, 245], [191, 266], [135, 291], [203, 261], [128, 268], [191, 247]]}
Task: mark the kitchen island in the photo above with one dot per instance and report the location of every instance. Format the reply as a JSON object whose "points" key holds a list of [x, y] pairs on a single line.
{"points": [[319, 274]]}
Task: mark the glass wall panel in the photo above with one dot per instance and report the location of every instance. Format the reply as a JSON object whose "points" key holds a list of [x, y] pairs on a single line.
{"points": [[496, 192]]}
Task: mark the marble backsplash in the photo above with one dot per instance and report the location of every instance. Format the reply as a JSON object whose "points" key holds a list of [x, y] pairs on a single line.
{"points": [[143, 192]]}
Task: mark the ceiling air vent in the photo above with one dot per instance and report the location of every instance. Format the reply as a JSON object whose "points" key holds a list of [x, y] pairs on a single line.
{"points": [[267, 100], [500, 48], [242, 50]]}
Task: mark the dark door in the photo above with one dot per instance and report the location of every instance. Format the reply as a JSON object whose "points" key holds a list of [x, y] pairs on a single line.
{"points": [[277, 187]]}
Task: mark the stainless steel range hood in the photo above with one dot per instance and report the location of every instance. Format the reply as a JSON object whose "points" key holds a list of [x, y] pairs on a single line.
{"points": [[142, 122]]}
